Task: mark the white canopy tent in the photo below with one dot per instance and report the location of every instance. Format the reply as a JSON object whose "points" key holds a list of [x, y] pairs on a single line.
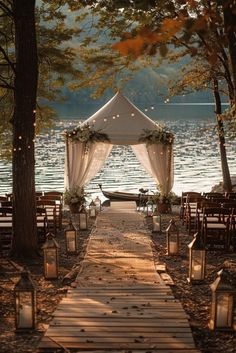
{"points": [[123, 124]]}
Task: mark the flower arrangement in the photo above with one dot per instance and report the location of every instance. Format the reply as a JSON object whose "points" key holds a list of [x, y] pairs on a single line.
{"points": [[86, 134], [74, 196], [157, 198], [160, 135]]}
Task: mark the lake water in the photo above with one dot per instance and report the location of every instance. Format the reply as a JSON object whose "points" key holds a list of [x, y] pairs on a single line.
{"points": [[196, 151]]}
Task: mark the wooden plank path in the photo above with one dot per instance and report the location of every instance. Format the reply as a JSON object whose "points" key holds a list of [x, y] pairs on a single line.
{"points": [[120, 303]]}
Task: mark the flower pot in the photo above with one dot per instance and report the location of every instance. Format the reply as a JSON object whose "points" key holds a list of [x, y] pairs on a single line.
{"points": [[163, 208], [74, 207]]}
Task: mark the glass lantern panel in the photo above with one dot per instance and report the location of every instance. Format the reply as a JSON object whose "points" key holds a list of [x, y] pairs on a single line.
{"points": [[93, 212], [156, 223], [25, 310], [71, 240], [82, 221], [224, 310], [197, 265], [51, 263]]}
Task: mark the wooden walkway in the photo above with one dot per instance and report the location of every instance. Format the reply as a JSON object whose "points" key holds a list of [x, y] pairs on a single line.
{"points": [[120, 303]]}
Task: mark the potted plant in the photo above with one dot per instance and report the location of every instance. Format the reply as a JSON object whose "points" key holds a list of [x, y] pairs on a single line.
{"points": [[74, 198], [163, 201]]}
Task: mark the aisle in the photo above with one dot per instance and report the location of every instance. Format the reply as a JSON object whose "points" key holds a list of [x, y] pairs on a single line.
{"points": [[120, 303]]}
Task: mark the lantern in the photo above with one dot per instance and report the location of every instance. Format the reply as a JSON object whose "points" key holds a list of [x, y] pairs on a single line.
{"points": [[50, 254], [98, 204], [25, 303], [172, 235], [222, 305], [71, 239], [149, 208], [156, 221], [197, 260], [83, 218], [92, 210]]}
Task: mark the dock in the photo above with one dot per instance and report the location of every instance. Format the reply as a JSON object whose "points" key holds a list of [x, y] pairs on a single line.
{"points": [[120, 303]]}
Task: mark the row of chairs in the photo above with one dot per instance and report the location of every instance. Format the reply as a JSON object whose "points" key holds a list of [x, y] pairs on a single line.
{"points": [[212, 215], [48, 216]]}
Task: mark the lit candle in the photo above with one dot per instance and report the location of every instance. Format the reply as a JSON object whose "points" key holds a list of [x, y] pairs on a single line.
{"points": [[51, 270], [197, 271], [173, 247]]}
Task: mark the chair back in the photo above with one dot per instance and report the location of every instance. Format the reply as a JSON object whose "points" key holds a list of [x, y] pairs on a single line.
{"points": [[212, 195], [6, 211]]}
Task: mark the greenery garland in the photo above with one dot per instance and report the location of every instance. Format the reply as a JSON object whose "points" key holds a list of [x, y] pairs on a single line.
{"points": [[159, 135], [86, 134]]}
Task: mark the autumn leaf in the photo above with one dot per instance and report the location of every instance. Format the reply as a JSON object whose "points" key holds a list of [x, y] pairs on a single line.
{"points": [[132, 46]]}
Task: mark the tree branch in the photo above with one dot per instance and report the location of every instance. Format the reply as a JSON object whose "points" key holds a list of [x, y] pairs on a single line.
{"points": [[6, 9], [6, 57], [7, 86]]}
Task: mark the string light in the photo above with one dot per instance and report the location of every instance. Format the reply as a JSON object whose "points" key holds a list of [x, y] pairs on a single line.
{"points": [[132, 114], [105, 119], [29, 147], [117, 115], [113, 117], [20, 137], [34, 111], [19, 148], [34, 124], [14, 149]]}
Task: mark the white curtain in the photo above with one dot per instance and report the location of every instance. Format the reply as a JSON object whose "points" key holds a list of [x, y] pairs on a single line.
{"points": [[83, 162], [158, 161]]}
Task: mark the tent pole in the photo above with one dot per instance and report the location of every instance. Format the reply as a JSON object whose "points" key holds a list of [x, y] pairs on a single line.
{"points": [[67, 160]]}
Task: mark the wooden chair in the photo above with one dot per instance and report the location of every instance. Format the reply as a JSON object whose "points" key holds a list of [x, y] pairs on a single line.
{"points": [[50, 208], [215, 227], [193, 204], [42, 223], [183, 203], [211, 195], [232, 229], [6, 204], [5, 228], [230, 195], [205, 203], [58, 205]]}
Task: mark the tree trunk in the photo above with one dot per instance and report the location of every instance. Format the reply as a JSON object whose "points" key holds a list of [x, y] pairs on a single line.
{"points": [[230, 30], [23, 162], [227, 185]]}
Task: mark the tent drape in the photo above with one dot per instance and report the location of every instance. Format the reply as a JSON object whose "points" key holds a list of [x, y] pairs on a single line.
{"points": [[83, 162], [158, 161], [124, 124]]}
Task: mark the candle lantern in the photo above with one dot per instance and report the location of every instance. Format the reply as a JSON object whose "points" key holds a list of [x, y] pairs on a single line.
{"points": [[156, 221], [71, 239], [92, 210], [98, 204], [222, 305], [149, 208], [172, 236], [50, 254], [197, 260], [83, 218], [25, 303]]}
